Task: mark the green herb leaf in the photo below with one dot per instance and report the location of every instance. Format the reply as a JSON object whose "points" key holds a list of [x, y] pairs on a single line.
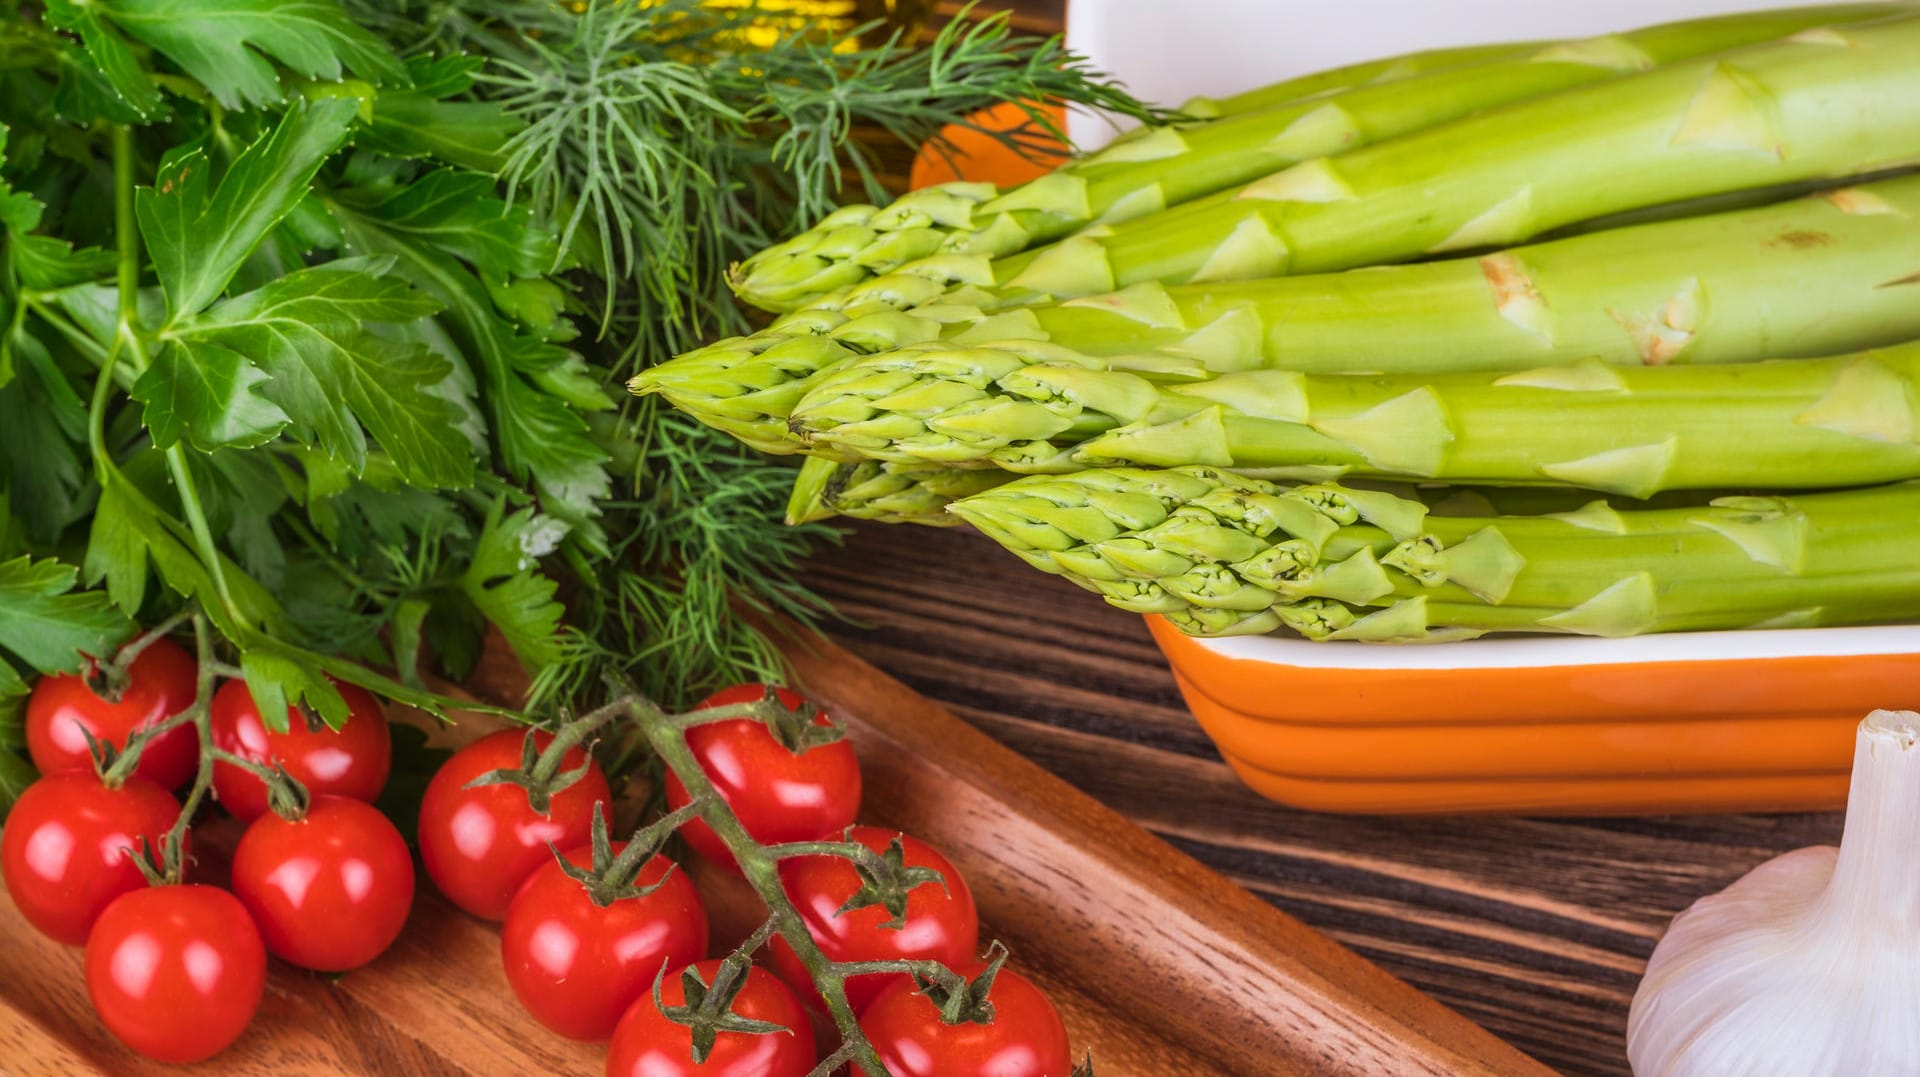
{"points": [[420, 123], [42, 428], [45, 263], [15, 775], [409, 614], [113, 59], [504, 582], [308, 332], [204, 393], [456, 634], [13, 695], [169, 543], [430, 230], [19, 210], [117, 549], [228, 45], [198, 241], [48, 627], [459, 213], [277, 681]]}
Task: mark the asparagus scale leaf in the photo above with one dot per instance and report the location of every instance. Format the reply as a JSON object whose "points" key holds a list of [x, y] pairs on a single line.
{"points": [[1168, 166], [885, 492], [1222, 554]]}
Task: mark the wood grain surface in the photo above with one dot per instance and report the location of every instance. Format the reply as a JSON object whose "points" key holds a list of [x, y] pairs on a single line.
{"points": [[1536, 928], [1160, 967]]}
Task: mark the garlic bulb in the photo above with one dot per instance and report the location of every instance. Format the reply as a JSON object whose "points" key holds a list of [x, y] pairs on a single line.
{"points": [[1810, 964]]}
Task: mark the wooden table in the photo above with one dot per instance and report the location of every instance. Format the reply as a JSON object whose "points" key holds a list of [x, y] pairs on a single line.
{"points": [[1536, 928]]}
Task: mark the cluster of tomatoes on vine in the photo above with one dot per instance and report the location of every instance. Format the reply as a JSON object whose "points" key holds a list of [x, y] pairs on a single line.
{"points": [[95, 851], [601, 940], [609, 940]]}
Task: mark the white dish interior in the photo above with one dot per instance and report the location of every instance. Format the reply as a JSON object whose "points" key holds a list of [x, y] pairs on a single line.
{"points": [[1167, 52]]}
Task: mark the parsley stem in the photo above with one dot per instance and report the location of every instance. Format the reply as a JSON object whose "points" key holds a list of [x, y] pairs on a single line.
{"points": [[126, 233], [202, 533]]}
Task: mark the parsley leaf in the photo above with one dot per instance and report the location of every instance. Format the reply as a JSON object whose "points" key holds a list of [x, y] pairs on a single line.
{"points": [[420, 122], [117, 549], [228, 45], [15, 775], [503, 582], [113, 59], [206, 394], [276, 680], [19, 210], [325, 369], [198, 240], [42, 426], [44, 263], [48, 627], [430, 231]]}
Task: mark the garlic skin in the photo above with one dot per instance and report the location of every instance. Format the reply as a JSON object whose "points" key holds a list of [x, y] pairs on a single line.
{"points": [[1810, 964]]}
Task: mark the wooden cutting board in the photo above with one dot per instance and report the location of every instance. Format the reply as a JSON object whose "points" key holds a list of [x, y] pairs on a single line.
{"points": [[1160, 966]]}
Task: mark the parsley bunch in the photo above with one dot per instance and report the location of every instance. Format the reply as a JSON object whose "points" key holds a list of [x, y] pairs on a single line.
{"points": [[312, 314]]}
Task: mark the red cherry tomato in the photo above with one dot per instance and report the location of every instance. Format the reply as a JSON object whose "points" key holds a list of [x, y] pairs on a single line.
{"points": [[63, 850], [480, 844], [941, 924], [777, 795], [647, 1044], [577, 966], [352, 762], [176, 972], [330, 891], [1025, 1038], [161, 683]]}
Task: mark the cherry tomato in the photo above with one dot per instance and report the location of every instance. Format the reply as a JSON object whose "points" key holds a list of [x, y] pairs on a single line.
{"points": [[329, 891], [161, 683], [647, 1044], [941, 924], [352, 762], [176, 972], [777, 796], [1025, 1037], [577, 966], [64, 849], [480, 844]]}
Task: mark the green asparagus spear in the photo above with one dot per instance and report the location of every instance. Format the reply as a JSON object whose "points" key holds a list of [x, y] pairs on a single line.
{"points": [[1798, 423], [1813, 276], [1824, 102], [1365, 73], [1169, 166], [889, 493], [1220, 554]]}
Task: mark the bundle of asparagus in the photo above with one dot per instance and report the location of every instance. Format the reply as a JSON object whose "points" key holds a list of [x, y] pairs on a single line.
{"points": [[1252, 300]]}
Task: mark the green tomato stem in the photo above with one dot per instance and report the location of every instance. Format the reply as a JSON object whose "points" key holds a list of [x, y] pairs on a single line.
{"points": [[666, 734], [200, 714], [646, 841]]}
